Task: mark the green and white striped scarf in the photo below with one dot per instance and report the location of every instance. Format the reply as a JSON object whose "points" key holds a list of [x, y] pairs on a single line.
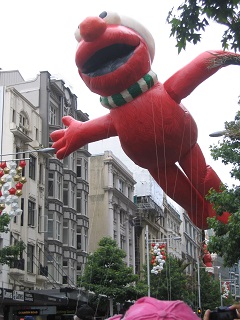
{"points": [[119, 99]]}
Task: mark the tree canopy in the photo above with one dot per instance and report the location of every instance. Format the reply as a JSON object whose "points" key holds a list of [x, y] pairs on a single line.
{"points": [[226, 239], [107, 275], [189, 20]]}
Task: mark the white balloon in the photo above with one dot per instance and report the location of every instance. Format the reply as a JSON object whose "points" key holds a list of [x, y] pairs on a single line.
{"points": [[8, 178], [8, 200], [15, 199], [18, 212], [15, 206], [12, 172], [12, 165], [5, 193]]}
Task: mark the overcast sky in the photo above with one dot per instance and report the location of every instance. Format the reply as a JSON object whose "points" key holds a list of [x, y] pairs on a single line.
{"points": [[39, 36]]}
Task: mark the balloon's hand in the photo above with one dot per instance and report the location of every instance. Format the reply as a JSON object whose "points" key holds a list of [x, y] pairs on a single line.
{"points": [[68, 140]]}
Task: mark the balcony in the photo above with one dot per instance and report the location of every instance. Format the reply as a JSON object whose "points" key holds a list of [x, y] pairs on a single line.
{"points": [[17, 267], [20, 131], [42, 273]]}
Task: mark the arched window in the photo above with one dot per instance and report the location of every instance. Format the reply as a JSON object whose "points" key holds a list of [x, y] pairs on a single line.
{"points": [[23, 122]]}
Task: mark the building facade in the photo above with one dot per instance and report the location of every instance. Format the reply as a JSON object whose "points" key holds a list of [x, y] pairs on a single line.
{"points": [[54, 220], [111, 207]]}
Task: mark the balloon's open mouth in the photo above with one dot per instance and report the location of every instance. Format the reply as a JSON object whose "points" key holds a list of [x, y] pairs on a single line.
{"points": [[107, 59]]}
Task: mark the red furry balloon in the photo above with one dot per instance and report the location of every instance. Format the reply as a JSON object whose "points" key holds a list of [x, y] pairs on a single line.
{"points": [[114, 58]]}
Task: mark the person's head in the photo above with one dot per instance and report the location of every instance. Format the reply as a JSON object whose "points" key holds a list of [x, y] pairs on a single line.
{"points": [[147, 308], [85, 312]]}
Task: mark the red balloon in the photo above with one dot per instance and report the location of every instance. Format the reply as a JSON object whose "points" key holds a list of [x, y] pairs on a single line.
{"points": [[2, 173], [155, 130], [22, 163], [12, 191], [3, 165], [19, 186]]}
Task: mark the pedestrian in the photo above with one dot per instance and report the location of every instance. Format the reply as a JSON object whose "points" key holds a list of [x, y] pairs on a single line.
{"points": [[85, 312]]}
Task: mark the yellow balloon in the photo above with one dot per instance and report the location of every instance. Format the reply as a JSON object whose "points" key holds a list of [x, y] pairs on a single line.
{"points": [[18, 193], [16, 177]]}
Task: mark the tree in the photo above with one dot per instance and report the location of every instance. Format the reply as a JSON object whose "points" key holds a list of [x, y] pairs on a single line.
{"points": [[173, 283], [191, 18], [226, 239], [9, 253], [210, 291], [107, 275]]}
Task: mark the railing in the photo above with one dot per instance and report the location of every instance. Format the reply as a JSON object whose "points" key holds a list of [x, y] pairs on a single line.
{"points": [[17, 264]]}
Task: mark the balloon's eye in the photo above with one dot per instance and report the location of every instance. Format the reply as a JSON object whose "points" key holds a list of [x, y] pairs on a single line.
{"points": [[110, 17]]}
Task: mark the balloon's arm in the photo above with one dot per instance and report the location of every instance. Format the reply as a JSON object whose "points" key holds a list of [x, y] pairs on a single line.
{"points": [[77, 134], [184, 81]]}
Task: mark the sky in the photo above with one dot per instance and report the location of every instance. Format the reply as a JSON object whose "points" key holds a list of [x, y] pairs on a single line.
{"points": [[39, 36]]}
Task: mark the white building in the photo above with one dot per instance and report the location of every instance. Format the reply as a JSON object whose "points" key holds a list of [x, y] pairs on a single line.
{"points": [[111, 207]]}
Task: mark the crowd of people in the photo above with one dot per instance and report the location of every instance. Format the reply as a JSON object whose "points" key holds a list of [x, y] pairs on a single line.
{"points": [[148, 308]]}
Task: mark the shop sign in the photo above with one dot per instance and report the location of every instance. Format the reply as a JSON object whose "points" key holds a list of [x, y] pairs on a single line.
{"points": [[28, 297], [7, 293], [18, 295], [28, 312]]}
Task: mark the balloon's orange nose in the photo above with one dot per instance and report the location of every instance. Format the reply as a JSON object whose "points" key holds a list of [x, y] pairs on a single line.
{"points": [[92, 28]]}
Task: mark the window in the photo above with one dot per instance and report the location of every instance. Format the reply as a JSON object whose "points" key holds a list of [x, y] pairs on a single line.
{"points": [[65, 279], [30, 255], [23, 123], [40, 220], [65, 232], [52, 115], [58, 267], [122, 217], [73, 161], [121, 185], [85, 204], [36, 134], [50, 184], [79, 201], [32, 167], [73, 195], [31, 213], [22, 208], [79, 237], [58, 228], [122, 241], [85, 170], [41, 178], [79, 168], [65, 193], [65, 163], [59, 187], [114, 180], [85, 239], [13, 115], [50, 225], [72, 233]]}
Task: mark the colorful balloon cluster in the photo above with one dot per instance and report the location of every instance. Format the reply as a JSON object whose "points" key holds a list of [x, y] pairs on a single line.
{"points": [[11, 184], [158, 252], [225, 289]]}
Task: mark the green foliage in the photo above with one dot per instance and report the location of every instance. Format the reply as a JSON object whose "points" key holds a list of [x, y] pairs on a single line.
{"points": [[4, 222], [226, 239], [173, 283], [106, 273], [10, 253], [191, 18], [210, 291]]}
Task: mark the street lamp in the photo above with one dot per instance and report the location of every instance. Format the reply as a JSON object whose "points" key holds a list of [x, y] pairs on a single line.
{"points": [[161, 241], [217, 133]]}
